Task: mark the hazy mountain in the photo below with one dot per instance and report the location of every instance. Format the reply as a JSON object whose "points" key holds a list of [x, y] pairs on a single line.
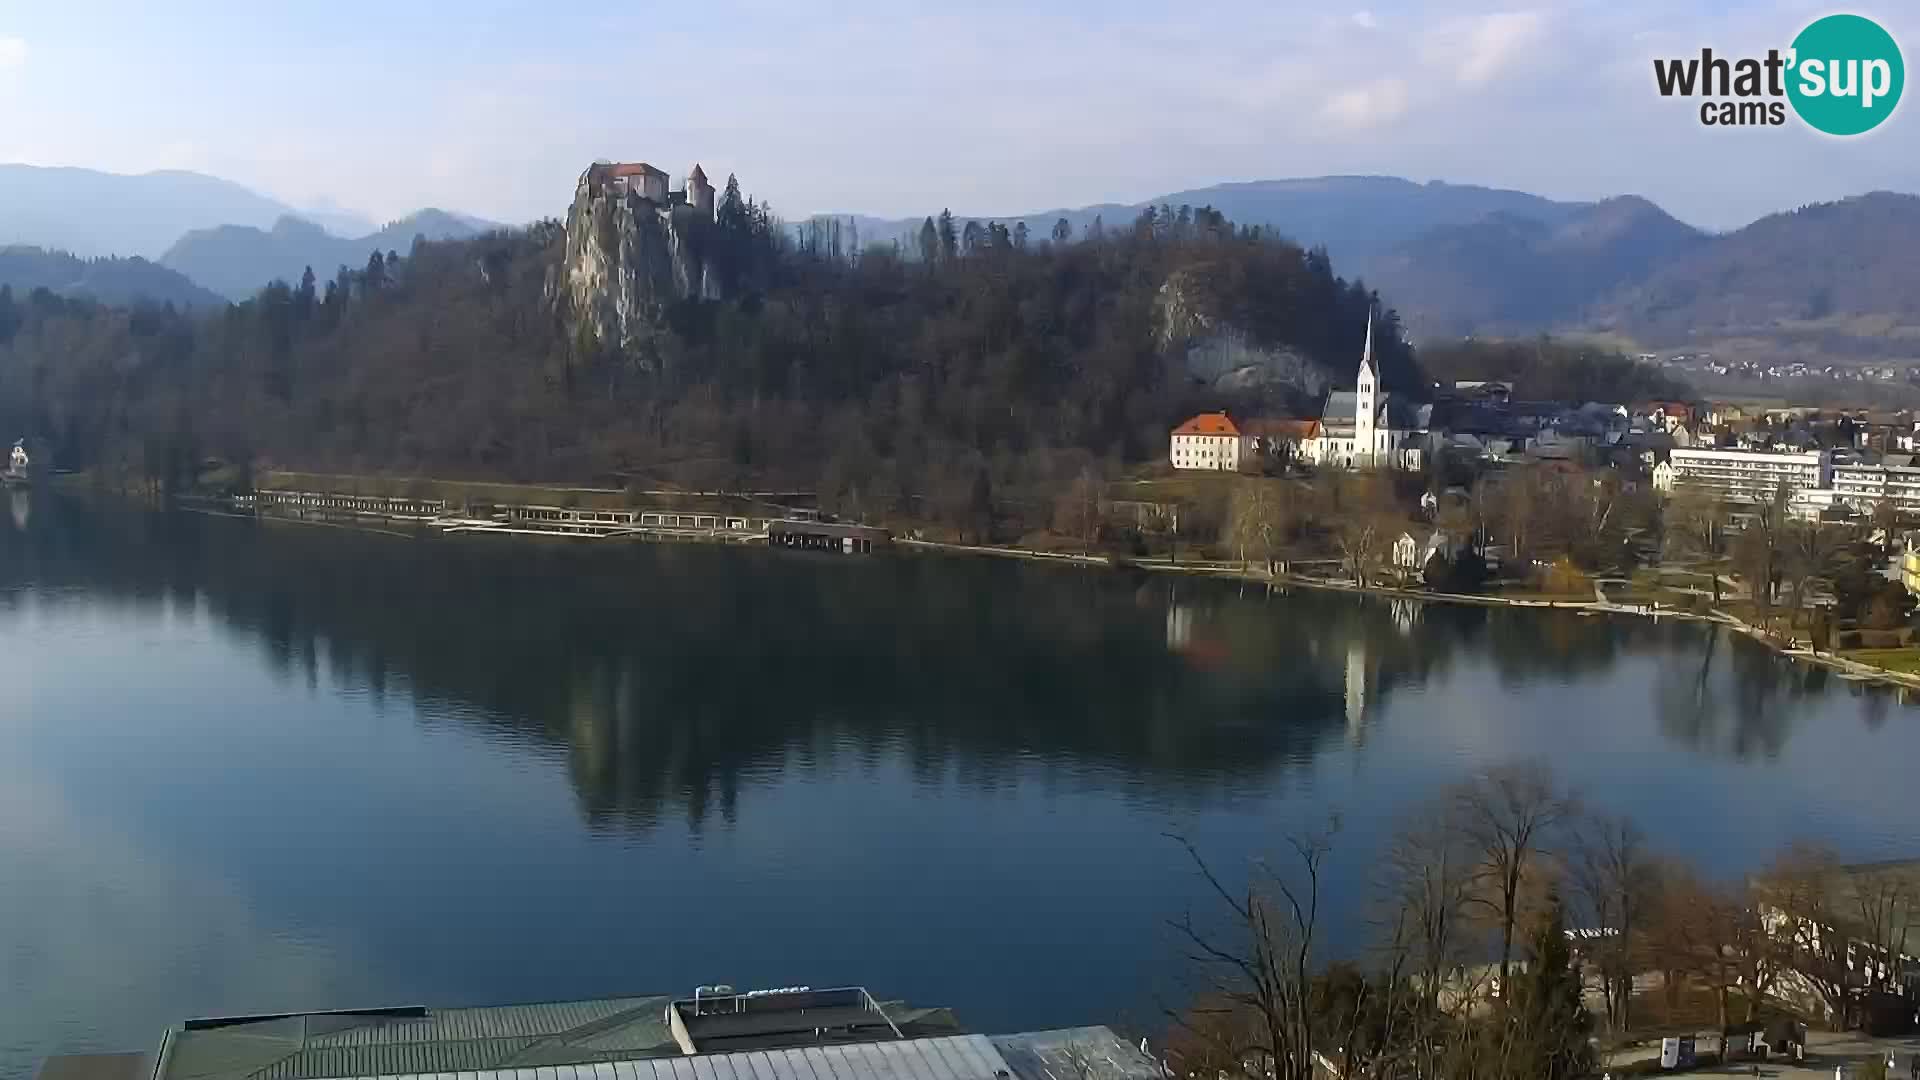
{"points": [[1514, 273], [119, 282], [336, 219], [95, 213], [1355, 217], [238, 260], [1837, 276]]}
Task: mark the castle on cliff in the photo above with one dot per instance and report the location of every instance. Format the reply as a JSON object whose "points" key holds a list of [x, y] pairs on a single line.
{"points": [[642, 180]]}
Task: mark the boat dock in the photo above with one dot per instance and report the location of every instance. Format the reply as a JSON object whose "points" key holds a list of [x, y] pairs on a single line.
{"points": [[780, 526]]}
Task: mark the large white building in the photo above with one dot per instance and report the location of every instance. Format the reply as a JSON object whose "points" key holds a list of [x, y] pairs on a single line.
{"points": [[1744, 475], [1210, 441], [1895, 480], [1369, 428]]}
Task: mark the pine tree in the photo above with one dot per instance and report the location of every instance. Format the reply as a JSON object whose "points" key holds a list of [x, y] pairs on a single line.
{"points": [[1551, 1022], [949, 240], [1062, 232], [929, 242], [1020, 235], [732, 212], [303, 297]]}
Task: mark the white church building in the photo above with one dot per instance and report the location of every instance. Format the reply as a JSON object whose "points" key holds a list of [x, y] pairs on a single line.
{"points": [[1367, 427]]}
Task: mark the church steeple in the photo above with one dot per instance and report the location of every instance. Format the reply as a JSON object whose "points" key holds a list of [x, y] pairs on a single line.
{"points": [[1367, 371], [1366, 404]]}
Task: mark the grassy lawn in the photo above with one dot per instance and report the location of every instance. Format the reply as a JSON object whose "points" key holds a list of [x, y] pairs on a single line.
{"points": [[1904, 660]]}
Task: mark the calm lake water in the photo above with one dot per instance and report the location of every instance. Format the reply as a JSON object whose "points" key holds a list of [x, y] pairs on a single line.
{"points": [[248, 768]]}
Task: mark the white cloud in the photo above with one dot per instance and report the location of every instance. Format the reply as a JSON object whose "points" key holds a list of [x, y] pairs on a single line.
{"points": [[1495, 42], [13, 53], [1367, 106], [1365, 20]]}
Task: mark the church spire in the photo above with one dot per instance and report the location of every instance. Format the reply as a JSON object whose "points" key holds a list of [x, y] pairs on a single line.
{"points": [[1366, 352]]}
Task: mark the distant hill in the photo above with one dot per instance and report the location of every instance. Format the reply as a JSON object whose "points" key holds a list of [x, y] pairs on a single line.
{"points": [[1355, 217], [238, 260], [118, 282], [93, 213], [1836, 276], [1517, 274]]}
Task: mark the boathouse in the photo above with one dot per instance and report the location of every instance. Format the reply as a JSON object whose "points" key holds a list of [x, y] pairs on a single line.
{"points": [[827, 536]]}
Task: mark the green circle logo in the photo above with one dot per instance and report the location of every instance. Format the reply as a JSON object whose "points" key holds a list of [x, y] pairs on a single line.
{"points": [[1846, 75]]}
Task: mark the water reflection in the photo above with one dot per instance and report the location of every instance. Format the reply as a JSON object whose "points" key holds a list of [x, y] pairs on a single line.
{"points": [[672, 676]]}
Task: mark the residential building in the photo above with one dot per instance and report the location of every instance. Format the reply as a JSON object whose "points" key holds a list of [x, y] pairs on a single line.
{"points": [[1411, 555], [1910, 563], [1210, 441], [1744, 475], [1281, 440], [1862, 487]]}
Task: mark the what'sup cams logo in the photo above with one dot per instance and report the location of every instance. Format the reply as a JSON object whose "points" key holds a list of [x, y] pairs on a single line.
{"points": [[1842, 76]]}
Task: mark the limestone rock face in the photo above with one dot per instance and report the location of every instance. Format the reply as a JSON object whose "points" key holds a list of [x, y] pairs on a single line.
{"points": [[1219, 351], [628, 258]]}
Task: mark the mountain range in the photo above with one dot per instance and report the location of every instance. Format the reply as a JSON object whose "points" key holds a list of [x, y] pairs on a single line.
{"points": [[1454, 259], [236, 260], [223, 235]]}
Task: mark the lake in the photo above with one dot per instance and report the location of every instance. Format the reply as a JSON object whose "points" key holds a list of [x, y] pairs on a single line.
{"points": [[249, 767]]}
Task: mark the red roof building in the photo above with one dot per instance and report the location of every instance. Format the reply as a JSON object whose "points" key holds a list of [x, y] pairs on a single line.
{"points": [[1210, 441]]}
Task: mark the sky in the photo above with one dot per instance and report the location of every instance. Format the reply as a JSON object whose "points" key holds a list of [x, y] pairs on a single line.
{"points": [[896, 108]]}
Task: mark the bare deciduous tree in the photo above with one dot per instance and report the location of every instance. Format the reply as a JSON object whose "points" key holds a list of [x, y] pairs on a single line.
{"points": [[1616, 880], [1509, 813], [1266, 968]]}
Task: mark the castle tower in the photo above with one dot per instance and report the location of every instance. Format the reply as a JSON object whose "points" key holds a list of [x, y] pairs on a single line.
{"points": [[699, 192], [1364, 404]]}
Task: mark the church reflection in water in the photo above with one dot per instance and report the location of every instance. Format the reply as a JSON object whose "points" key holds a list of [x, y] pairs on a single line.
{"points": [[674, 676]]}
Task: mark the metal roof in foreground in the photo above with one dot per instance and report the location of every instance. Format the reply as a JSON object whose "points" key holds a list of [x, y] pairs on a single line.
{"points": [[1091, 1053], [1043, 1055]]}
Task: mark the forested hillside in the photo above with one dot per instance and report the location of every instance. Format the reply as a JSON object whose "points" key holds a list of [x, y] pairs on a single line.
{"points": [[120, 282], [1511, 273], [995, 360], [1831, 276]]}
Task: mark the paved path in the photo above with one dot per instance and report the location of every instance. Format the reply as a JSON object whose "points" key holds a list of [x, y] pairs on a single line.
{"points": [[1825, 1051]]}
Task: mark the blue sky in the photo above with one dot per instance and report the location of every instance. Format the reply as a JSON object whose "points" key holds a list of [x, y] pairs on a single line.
{"points": [[897, 108]]}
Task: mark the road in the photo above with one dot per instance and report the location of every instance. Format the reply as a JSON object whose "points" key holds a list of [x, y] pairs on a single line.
{"points": [[1825, 1051]]}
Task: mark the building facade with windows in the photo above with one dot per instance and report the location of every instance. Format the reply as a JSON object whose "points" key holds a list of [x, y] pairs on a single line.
{"points": [[1864, 487], [1210, 441], [1745, 475]]}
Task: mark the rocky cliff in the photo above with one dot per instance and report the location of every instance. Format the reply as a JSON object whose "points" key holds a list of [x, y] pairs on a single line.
{"points": [[1216, 350], [626, 260]]}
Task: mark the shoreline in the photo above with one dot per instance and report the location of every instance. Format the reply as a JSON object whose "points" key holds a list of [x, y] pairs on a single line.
{"points": [[1851, 670]]}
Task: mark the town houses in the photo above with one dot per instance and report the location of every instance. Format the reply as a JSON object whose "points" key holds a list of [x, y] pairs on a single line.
{"points": [[1829, 463]]}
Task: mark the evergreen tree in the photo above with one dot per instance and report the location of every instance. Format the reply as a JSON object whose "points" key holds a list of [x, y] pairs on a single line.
{"points": [[929, 242], [303, 297], [1020, 235], [970, 238], [1551, 1022], [732, 212], [949, 240], [1062, 232]]}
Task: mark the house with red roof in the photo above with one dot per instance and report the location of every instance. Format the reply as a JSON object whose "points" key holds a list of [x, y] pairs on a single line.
{"points": [[1210, 441]]}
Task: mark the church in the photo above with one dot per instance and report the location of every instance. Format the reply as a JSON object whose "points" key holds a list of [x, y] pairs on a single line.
{"points": [[1367, 427]]}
